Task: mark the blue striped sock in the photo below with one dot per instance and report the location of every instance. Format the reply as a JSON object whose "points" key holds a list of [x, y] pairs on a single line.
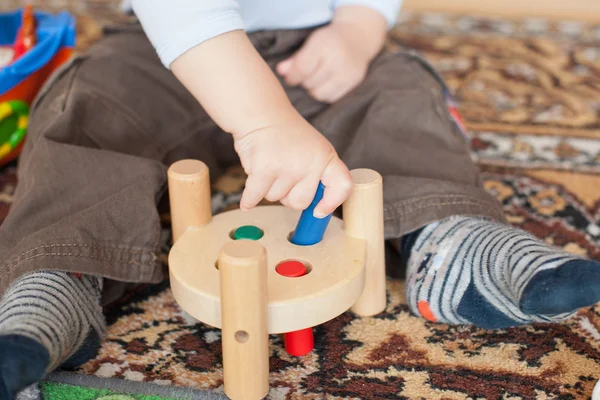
{"points": [[465, 270], [47, 319]]}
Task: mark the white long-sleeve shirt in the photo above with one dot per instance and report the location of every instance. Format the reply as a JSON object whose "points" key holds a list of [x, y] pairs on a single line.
{"points": [[175, 26]]}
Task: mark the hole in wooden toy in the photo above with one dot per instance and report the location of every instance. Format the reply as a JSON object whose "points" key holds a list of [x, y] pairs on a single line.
{"points": [[241, 336], [289, 238], [247, 232], [291, 235], [217, 264], [293, 268]]}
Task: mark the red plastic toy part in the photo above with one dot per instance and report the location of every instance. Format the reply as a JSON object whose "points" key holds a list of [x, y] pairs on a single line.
{"points": [[302, 342], [26, 36]]}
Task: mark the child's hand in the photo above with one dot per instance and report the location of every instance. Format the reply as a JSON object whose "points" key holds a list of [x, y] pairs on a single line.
{"points": [[328, 66], [335, 59], [283, 155], [285, 163]]}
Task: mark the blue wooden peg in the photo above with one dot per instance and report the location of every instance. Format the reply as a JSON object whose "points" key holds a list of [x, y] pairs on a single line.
{"points": [[310, 230]]}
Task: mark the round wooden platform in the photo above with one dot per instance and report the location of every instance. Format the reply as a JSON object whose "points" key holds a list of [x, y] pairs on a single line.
{"points": [[334, 282]]}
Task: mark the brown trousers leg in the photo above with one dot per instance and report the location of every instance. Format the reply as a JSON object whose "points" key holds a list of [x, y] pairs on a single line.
{"points": [[398, 123], [106, 127]]}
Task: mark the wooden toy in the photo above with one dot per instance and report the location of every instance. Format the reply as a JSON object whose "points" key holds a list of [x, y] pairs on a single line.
{"points": [[241, 272]]}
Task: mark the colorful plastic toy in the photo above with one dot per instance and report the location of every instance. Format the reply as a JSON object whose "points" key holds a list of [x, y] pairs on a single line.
{"points": [[14, 116], [265, 284], [41, 42], [26, 36]]}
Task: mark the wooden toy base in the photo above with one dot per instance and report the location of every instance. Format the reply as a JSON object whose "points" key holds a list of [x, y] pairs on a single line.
{"points": [[334, 283], [224, 270]]}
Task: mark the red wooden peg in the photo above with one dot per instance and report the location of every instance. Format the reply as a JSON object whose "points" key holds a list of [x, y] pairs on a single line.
{"points": [[297, 343]]}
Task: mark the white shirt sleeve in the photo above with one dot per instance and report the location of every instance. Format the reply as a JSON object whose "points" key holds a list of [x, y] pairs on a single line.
{"points": [[388, 8], [175, 26]]}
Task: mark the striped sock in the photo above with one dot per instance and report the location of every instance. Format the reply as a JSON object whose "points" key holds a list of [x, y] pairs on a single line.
{"points": [[47, 319], [465, 270]]}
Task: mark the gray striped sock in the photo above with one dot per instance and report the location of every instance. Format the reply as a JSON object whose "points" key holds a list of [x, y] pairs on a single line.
{"points": [[56, 309], [466, 270]]}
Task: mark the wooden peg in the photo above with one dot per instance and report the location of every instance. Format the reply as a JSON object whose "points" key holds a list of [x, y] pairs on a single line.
{"points": [[310, 230], [363, 219], [245, 339], [189, 195], [296, 343]]}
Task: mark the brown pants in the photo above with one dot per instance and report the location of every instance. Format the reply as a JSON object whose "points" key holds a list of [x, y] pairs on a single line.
{"points": [[106, 127]]}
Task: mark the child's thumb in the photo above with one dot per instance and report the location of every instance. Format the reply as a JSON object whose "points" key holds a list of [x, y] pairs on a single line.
{"points": [[283, 68]]}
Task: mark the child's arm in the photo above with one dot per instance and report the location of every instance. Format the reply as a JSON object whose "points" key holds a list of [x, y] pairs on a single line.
{"points": [[335, 59], [284, 156]]}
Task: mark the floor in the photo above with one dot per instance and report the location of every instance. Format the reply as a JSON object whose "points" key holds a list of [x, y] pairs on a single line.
{"points": [[581, 10], [528, 92]]}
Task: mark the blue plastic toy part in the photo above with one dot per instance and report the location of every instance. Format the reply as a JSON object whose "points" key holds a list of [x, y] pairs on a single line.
{"points": [[54, 31], [310, 230]]}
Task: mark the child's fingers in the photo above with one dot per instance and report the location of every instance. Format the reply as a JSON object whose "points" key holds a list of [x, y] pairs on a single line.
{"points": [[336, 86], [338, 187], [300, 71], [280, 189], [303, 64], [283, 68], [257, 186], [321, 76], [302, 194], [325, 92], [340, 91]]}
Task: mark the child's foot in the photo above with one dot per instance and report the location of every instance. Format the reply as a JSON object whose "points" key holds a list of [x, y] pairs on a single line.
{"points": [[466, 270], [47, 320]]}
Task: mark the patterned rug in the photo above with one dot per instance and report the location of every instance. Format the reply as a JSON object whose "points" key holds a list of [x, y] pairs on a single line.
{"points": [[529, 92]]}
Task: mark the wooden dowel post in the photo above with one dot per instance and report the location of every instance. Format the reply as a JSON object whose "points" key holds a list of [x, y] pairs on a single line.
{"points": [[189, 195], [244, 330], [363, 218]]}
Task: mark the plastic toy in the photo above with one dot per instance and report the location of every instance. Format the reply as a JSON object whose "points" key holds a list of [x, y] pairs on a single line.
{"points": [[14, 116], [262, 283], [26, 36], [41, 43]]}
